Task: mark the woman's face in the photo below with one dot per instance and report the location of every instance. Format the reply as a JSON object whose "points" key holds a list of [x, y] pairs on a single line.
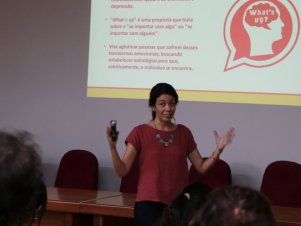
{"points": [[165, 107]]}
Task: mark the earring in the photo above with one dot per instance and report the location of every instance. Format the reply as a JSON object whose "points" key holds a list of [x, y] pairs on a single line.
{"points": [[187, 195], [37, 214]]}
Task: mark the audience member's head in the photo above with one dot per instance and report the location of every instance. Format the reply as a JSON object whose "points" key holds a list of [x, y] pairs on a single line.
{"points": [[235, 206], [23, 194], [181, 210]]}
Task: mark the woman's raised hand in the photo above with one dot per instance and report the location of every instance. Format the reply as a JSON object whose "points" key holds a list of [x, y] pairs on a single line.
{"points": [[223, 141]]}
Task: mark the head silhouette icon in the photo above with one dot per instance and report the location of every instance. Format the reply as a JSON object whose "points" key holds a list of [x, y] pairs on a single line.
{"points": [[264, 26]]}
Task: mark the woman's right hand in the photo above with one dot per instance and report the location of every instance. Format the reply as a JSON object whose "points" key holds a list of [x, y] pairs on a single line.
{"points": [[109, 137], [121, 166]]}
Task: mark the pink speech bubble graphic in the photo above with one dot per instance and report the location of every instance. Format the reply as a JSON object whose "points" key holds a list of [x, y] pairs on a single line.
{"points": [[249, 19]]}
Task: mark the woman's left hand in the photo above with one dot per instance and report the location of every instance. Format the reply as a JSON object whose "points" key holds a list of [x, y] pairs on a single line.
{"points": [[223, 141]]}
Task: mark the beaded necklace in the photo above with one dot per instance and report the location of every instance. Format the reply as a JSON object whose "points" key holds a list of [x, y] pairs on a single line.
{"points": [[160, 139]]}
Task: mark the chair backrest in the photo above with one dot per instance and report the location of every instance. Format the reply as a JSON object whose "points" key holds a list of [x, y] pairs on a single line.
{"points": [[281, 183], [78, 169], [218, 176], [129, 183]]}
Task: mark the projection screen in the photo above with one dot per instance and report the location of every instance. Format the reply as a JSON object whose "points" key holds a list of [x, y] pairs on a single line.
{"points": [[244, 51]]}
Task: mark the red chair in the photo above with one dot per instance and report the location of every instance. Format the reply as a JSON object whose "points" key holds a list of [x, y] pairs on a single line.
{"points": [[218, 176], [129, 183], [281, 183], [78, 169]]}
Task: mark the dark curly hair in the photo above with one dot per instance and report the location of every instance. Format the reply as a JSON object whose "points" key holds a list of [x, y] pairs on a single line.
{"points": [[22, 189], [235, 206], [181, 210]]}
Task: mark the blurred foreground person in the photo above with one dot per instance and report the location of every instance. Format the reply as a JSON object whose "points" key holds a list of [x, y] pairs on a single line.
{"points": [[235, 206], [182, 209], [23, 194]]}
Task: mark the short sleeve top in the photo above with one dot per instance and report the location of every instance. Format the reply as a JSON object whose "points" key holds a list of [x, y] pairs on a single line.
{"points": [[163, 169]]}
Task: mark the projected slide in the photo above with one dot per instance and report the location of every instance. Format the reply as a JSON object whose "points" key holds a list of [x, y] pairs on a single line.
{"points": [[243, 51]]}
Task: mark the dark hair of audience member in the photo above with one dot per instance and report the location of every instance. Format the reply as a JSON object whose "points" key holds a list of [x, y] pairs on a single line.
{"points": [[235, 206], [23, 194], [181, 210]]}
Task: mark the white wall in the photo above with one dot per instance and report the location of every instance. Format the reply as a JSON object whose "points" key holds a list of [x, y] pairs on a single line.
{"points": [[43, 73]]}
